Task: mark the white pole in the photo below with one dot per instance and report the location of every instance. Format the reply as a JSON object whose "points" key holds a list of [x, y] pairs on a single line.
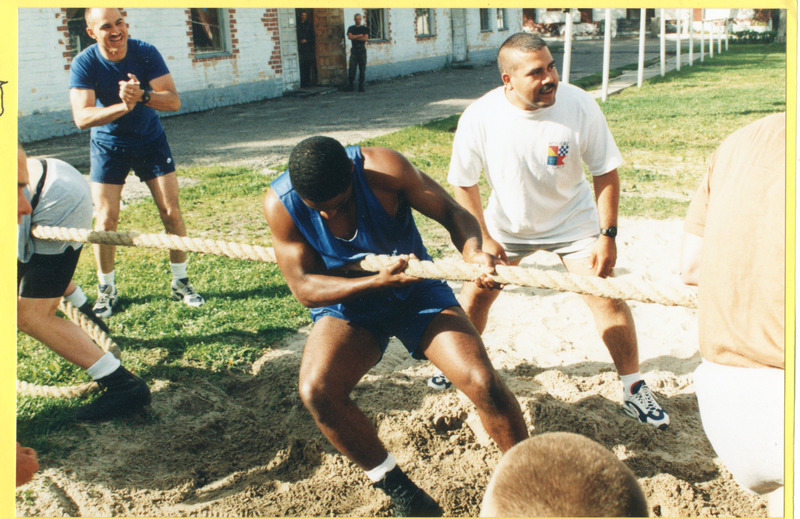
{"points": [[727, 33], [642, 23], [711, 40], [691, 37], [663, 44], [678, 41], [567, 47], [719, 39], [607, 54], [702, 40]]}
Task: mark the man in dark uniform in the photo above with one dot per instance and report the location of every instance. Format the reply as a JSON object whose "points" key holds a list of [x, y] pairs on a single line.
{"points": [[305, 48], [358, 35]]}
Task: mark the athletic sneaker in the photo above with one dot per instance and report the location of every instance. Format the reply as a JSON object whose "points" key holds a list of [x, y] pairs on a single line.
{"points": [[409, 500], [106, 299], [643, 406], [87, 310], [183, 290], [439, 382]]}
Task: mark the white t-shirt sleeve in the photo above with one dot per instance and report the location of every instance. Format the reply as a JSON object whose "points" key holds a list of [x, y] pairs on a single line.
{"points": [[466, 161], [598, 149]]}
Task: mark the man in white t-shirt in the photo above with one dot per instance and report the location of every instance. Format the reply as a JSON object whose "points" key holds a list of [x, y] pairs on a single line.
{"points": [[532, 148]]}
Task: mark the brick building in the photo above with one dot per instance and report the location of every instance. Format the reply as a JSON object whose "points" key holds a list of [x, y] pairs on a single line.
{"points": [[227, 56]]}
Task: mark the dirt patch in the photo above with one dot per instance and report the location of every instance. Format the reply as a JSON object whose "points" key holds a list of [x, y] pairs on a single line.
{"points": [[245, 446]]}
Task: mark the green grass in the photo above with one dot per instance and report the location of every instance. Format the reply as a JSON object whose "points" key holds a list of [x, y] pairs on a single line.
{"points": [[666, 131]]}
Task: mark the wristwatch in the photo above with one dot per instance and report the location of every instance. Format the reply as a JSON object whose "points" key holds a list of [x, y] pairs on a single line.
{"points": [[145, 97], [611, 232]]}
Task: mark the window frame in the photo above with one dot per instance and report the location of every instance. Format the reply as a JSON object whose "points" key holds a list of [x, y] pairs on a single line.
{"points": [[372, 26], [484, 20], [225, 48], [76, 30], [424, 13], [502, 19]]}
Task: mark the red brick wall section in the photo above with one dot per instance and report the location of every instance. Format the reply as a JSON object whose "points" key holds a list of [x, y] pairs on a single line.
{"points": [[232, 32], [270, 21]]}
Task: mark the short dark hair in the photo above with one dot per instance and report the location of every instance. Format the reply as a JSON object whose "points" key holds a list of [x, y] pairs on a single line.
{"points": [[523, 41], [562, 474], [319, 169]]}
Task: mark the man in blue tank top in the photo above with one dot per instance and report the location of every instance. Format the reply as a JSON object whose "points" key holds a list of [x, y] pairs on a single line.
{"points": [[330, 209], [115, 88]]}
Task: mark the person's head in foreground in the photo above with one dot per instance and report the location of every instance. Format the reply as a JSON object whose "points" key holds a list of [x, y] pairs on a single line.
{"points": [[320, 171], [562, 475]]}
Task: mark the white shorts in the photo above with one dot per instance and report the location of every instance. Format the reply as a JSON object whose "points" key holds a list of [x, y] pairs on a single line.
{"points": [[570, 250], [743, 415]]}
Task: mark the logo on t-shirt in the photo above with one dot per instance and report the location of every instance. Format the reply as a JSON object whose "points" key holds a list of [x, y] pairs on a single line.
{"points": [[556, 153]]}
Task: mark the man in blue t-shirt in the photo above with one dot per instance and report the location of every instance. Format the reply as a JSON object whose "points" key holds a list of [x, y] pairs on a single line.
{"points": [[116, 86]]}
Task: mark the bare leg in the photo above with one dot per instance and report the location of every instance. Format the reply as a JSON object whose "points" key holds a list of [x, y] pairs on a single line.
{"points": [[106, 199], [165, 194], [453, 345], [335, 358], [614, 323], [477, 301], [37, 318]]}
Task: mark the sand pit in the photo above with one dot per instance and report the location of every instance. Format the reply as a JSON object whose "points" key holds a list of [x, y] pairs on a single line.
{"points": [[246, 446]]}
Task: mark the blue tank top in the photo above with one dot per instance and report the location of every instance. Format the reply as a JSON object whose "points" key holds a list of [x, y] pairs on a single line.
{"points": [[376, 233]]}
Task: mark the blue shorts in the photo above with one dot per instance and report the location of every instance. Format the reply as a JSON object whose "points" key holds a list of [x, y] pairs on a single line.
{"points": [[111, 163], [403, 313]]}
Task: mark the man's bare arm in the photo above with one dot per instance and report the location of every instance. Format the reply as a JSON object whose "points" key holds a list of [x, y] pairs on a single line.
{"points": [[308, 279], [87, 115]]}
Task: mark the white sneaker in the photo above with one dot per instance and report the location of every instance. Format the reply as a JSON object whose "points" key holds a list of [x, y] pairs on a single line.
{"points": [[643, 406], [439, 382], [106, 299], [183, 290]]}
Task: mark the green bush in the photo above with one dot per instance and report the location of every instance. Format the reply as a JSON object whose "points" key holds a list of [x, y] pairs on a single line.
{"points": [[751, 36]]}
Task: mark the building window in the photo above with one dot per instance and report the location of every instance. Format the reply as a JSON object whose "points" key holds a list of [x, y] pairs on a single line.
{"points": [[424, 22], [376, 23], [484, 14], [208, 33], [76, 26], [501, 19]]}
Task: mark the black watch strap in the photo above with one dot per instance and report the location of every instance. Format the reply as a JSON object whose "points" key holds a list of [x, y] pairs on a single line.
{"points": [[145, 97], [611, 232]]}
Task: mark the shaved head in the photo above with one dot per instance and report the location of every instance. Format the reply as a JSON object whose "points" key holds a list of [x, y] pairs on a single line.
{"points": [[519, 42]]}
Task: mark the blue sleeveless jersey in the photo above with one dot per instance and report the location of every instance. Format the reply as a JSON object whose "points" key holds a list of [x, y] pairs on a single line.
{"points": [[377, 233]]}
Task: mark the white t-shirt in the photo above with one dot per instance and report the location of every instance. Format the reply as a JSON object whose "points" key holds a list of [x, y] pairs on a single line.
{"points": [[65, 201], [533, 161]]}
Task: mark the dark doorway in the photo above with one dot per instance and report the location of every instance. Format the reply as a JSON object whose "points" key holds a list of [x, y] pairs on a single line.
{"points": [[306, 47]]}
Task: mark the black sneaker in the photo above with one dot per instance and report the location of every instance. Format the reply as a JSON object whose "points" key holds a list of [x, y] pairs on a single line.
{"points": [[86, 309], [123, 393], [409, 500]]}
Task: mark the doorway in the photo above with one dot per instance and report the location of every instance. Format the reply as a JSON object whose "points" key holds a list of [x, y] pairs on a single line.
{"points": [[306, 46]]}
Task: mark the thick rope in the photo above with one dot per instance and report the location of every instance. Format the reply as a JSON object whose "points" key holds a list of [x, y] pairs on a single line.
{"points": [[635, 290], [98, 336]]}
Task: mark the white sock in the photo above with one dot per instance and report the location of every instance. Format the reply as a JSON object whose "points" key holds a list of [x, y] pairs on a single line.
{"points": [[629, 380], [105, 279], [178, 270], [380, 471], [105, 365], [77, 298]]}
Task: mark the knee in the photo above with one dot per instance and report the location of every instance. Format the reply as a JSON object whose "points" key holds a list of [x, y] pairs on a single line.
{"points": [[28, 318], [317, 395], [486, 389], [107, 219]]}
